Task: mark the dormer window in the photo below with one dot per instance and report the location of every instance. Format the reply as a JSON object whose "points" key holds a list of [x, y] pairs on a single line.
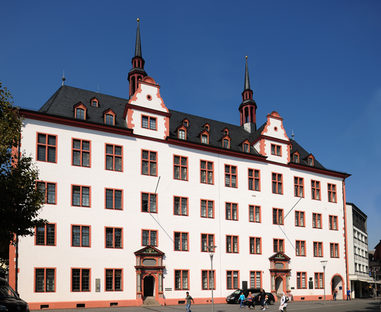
{"points": [[186, 123], [109, 118], [207, 127], [276, 150], [296, 158], [226, 143], [310, 160], [80, 111], [246, 147], [204, 138], [148, 122], [181, 134], [94, 102], [226, 131]]}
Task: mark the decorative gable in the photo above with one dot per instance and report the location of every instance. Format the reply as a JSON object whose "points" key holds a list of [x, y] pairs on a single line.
{"points": [[146, 112]]}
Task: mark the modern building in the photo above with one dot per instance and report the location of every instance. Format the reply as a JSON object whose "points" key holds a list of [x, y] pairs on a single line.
{"points": [[137, 197], [358, 258], [375, 269]]}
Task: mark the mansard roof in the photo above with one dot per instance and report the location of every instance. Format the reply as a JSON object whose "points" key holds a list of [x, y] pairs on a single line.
{"points": [[62, 103]]}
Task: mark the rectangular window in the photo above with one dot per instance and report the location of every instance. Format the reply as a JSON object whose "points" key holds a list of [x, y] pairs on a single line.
{"points": [[114, 199], [277, 183], [300, 248], [207, 172], [113, 280], [180, 168], [80, 279], [254, 213], [46, 235], [232, 244], [48, 190], [80, 196], [46, 147], [181, 280], [332, 193], [298, 187], [316, 221], [231, 211], [149, 202], [148, 122], [181, 241], [232, 279], [114, 237], [80, 236], [315, 189], [276, 150], [254, 180], [334, 248], [114, 157], [278, 245], [149, 238], [80, 153], [301, 278], [255, 246], [44, 280], [333, 223], [319, 280], [180, 206], [299, 218], [207, 208], [207, 279], [149, 163], [230, 176], [207, 240], [318, 249], [278, 216], [255, 279]]}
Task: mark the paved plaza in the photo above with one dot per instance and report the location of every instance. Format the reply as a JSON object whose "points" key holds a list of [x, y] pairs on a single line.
{"points": [[358, 305]]}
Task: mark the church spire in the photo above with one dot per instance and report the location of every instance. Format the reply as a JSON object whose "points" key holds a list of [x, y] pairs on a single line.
{"points": [[137, 71], [248, 106]]}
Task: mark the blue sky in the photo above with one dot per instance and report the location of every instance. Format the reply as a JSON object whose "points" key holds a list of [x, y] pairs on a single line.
{"points": [[317, 63]]}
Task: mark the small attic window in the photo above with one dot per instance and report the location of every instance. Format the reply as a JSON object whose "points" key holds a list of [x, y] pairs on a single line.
{"points": [[310, 160], [109, 118], [182, 134], [226, 143], [186, 123], [94, 102], [207, 127], [80, 111], [226, 131], [296, 158], [205, 138], [246, 147]]}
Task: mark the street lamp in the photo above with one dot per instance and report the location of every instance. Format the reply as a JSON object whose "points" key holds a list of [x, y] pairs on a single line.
{"points": [[324, 264], [211, 254]]}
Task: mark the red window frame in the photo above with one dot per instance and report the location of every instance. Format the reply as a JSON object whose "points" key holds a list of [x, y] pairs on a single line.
{"points": [[315, 190], [45, 191], [179, 209], [234, 279], [150, 163], [208, 279], [254, 179], [300, 248], [253, 244], [254, 277], [48, 147], [114, 199], [113, 282], [319, 280], [333, 223], [318, 249], [181, 280], [252, 216], [149, 118], [231, 174], [334, 250], [45, 286], [45, 235], [278, 216], [114, 246], [81, 204], [82, 151], [232, 241], [278, 245], [81, 227], [276, 150], [332, 195], [149, 208], [81, 271], [301, 280], [298, 187], [230, 208], [206, 172], [277, 183], [114, 156], [149, 232], [317, 221], [178, 166], [299, 220], [208, 238], [180, 241], [207, 201]]}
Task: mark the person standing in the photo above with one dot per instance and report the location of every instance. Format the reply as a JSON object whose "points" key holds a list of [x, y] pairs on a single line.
{"points": [[241, 300], [283, 303], [348, 294], [188, 302], [262, 296], [334, 294]]}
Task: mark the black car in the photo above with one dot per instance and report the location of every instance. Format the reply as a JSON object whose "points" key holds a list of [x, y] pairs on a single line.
{"points": [[270, 300], [234, 296], [10, 300]]}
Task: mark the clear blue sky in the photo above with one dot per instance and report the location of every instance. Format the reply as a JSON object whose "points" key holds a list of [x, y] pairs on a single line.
{"points": [[318, 63]]}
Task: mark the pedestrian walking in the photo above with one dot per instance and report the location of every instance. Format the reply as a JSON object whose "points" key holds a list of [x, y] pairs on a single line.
{"points": [[265, 303], [283, 303], [348, 294], [334, 294], [262, 296], [188, 302], [241, 300], [250, 300]]}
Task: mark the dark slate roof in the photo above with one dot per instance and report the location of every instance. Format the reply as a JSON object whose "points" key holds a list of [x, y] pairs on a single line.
{"points": [[62, 103]]}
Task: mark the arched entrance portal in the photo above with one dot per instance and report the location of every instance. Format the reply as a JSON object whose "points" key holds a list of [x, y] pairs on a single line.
{"points": [[279, 285], [338, 285], [148, 286]]}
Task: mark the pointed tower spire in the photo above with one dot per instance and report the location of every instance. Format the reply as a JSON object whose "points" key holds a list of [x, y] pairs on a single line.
{"points": [[248, 106], [137, 71]]}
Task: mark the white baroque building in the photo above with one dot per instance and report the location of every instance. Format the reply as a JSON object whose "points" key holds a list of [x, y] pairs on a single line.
{"points": [[137, 195]]}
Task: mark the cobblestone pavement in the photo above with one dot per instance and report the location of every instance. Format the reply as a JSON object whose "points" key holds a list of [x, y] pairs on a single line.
{"points": [[358, 305]]}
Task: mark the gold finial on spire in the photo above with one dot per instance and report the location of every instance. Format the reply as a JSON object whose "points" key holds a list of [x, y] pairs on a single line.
{"points": [[246, 57], [138, 19]]}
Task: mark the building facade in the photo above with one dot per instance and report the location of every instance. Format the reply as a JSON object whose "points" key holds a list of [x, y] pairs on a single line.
{"points": [[137, 196], [358, 259]]}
